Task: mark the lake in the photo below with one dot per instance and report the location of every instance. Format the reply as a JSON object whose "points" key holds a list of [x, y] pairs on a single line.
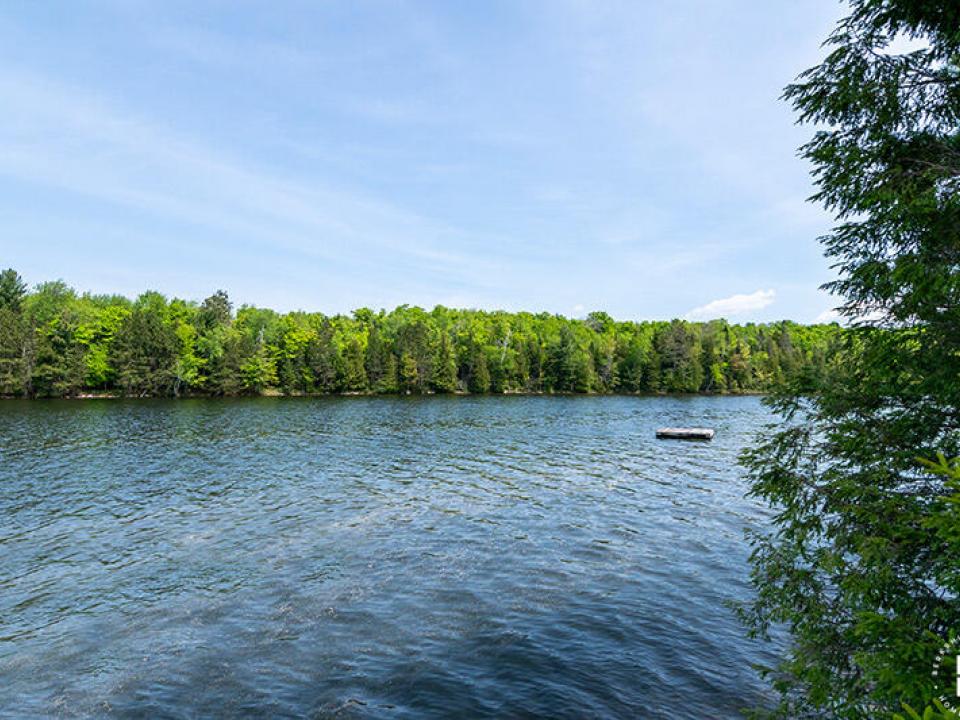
{"points": [[462, 557]]}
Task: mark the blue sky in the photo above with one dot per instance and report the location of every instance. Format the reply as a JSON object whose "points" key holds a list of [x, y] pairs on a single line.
{"points": [[558, 155]]}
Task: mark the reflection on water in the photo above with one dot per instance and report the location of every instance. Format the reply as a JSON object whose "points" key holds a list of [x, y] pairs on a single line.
{"points": [[374, 557]]}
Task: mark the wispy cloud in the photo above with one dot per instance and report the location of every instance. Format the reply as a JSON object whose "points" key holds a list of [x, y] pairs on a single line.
{"points": [[542, 156], [57, 136], [733, 305]]}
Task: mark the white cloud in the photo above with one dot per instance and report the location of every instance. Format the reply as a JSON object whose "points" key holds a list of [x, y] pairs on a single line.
{"points": [[733, 305], [829, 316]]}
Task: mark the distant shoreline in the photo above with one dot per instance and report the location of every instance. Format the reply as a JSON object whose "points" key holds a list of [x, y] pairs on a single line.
{"points": [[55, 342], [208, 396]]}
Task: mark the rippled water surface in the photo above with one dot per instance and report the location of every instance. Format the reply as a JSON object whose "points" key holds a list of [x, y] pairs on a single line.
{"points": [[367, 557]]}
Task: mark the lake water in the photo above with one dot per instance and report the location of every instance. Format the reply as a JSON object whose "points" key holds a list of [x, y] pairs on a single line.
{"points": [[375, 558]]}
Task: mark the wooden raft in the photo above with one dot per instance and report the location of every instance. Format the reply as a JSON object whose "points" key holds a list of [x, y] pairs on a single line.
{"points": [[686, 433]]}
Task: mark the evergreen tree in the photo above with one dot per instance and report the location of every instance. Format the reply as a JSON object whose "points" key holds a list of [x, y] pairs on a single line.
{"points": [[323, 360], [445, 367], [374, 358], [855, 567], [679, 350], [568, 365], [413, 349], [534, 356], [12, 350], [145, 351], [216, 310], [390, 380], [13, 334], [354, 374], [12, 290], [479, 378]]}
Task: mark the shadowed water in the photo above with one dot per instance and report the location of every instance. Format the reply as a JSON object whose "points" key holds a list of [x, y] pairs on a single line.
{"points": [[374, 557]]}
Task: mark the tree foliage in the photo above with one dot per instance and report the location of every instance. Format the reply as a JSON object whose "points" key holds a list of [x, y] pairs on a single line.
{"points": [[855, 569], [12, 290], [59, 343]]}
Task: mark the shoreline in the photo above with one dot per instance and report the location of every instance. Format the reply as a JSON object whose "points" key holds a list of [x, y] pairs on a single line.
{"points": [[356, 394]]}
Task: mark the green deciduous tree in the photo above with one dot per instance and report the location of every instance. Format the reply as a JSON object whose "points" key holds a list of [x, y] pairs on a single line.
{"points": [[54, 342]]}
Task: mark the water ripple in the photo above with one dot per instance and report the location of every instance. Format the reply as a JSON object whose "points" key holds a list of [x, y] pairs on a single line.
{"points": [[374, 557]]}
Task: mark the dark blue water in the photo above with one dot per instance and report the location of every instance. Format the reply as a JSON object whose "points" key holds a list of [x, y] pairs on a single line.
{"points": [[382, 558]]}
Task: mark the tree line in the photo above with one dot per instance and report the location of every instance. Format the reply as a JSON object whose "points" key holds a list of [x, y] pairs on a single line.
{"points": [[55, 342]]}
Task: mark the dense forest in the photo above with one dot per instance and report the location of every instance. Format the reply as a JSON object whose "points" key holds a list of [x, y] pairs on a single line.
{"points": [[56, 342]]}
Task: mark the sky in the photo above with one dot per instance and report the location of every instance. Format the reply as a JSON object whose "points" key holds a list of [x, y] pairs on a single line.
{"points": [[545, 155]]}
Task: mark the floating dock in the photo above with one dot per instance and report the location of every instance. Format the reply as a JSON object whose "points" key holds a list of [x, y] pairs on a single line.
{"points": [[686, 433]]}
